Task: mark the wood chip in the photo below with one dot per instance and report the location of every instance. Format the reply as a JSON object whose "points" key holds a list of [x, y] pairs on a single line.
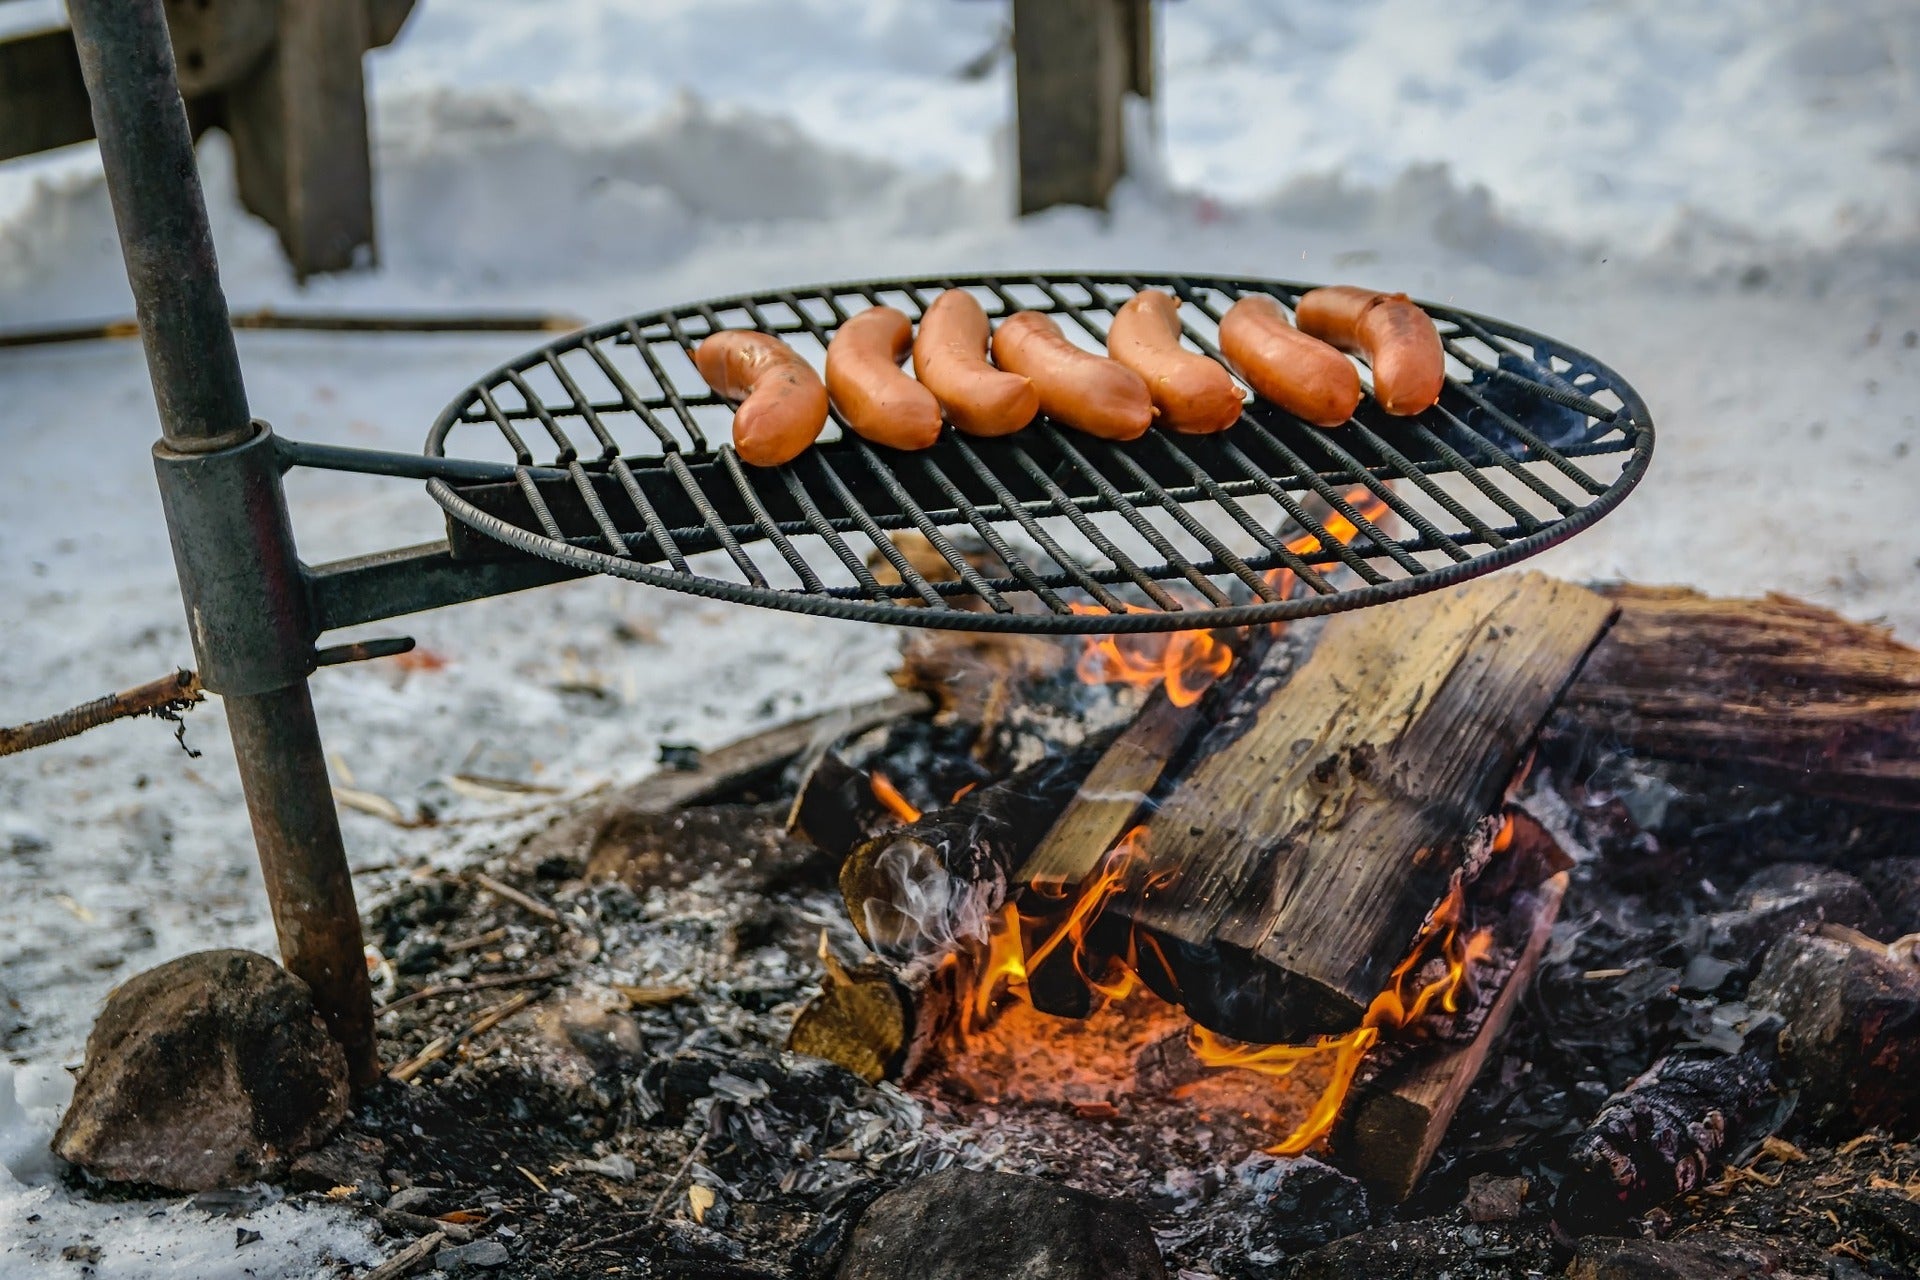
{"points": [[700, 1199], [534, 1178], [651, 997], [1782, 1150], [404, 1262], [441, 1046]]}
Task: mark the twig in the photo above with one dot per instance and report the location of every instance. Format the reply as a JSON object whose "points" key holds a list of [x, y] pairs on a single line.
{"points": [[407, 1259], [318, 322], [166, 698], [477, 984], [524, 901], [660, 1201], [441, 1046]]}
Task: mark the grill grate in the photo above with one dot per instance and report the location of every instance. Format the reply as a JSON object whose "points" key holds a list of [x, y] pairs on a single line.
{"points": [[1045, 530]]}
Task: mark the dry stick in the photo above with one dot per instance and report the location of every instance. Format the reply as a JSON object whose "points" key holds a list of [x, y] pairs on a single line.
{"points": [[478, 984], [517, 898], [166, 697], [407, 1259], [441, 1046], [318, 322]]}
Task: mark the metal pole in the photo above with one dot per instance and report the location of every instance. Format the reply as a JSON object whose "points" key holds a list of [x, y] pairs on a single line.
{"points": [[219, 473]]}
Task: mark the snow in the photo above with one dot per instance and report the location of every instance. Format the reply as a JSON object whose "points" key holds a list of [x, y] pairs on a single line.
{"points": [[1718, 199]]}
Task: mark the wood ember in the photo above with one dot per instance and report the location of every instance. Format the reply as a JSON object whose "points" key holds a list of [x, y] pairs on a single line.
{"points": [[1776, 688], [1666, 1134], [1348, 798]]}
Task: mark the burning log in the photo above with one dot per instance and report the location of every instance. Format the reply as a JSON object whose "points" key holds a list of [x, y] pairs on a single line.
{"points": [[1351, 795], [936, 882], [1788, 693], [1395, 1123]]}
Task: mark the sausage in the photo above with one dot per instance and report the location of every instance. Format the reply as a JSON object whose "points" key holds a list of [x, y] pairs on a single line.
{"points": [[1087, 392], [950, 359], [1397, 338], [864, 381], [1303, 375], [783, 403], [1193, 394]]}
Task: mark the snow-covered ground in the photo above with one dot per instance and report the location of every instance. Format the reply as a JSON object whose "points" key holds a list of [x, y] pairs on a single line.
{"points": [[1720, 199]]}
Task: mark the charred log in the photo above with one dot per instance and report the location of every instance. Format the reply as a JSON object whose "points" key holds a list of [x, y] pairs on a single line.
{"points": [[927, 886], [1352, 795], [1776, 689], [1852, 1040], [1666, 1134]]}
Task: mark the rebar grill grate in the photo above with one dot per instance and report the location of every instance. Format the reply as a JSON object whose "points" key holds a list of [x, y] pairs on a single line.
{"points": [[1531, 442]]}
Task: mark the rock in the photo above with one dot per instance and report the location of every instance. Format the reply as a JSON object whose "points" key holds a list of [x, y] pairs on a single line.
{"points": [[1787, 896], [1434, 1247], [1895, 885], [1707, 1256], [962, 1225], [421, 1200], [1852, 1040], [349, 1160], [1295, 1204], [211, 1070], [1491, 1198], [478, 1256]]}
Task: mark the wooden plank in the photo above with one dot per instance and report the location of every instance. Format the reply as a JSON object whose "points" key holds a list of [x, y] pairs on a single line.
{"points": [[1777, 689], [1306, 852], [1072, 62], [43, 100], [1104, 808], [1396, 1124], [299, 126]]}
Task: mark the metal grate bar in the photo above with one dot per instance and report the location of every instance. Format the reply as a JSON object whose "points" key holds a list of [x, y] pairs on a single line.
{"points": [[650, 516], [881, 542], [521, 454], [1515, 467], [1118, 501], [991, 536], [819, 524], [616, 541], [1422, 481], [1091, 532], [1033, 529], [1275, 545], [1298, 514], [609, 447], [668, 443], [541, 511], [1474, 476], [1199, 532], [554, 431], [1533, 442]]}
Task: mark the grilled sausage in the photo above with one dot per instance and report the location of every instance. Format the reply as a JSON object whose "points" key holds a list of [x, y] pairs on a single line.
{"points": [[1397, 338], [783, 404], [864, 380], [1193, 394], [950, 359], [1302, 375], [1088, 392]]}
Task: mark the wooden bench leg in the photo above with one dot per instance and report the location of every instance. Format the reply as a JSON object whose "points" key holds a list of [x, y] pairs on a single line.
{"points": [[1074, 62], [299, 126]]}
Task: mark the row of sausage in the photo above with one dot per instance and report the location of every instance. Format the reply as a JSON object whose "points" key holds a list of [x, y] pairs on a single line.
{"points": [[992, 382]]}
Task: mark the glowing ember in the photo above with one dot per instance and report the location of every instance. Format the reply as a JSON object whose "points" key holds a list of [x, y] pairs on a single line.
{"points": [[889, 795]]}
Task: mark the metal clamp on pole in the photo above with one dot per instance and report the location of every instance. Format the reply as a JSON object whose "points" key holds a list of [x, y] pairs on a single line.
{"points": [[219, 474]]}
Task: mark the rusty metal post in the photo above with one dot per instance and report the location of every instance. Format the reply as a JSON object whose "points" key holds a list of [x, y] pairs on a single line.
{"points": [[219, 473]]}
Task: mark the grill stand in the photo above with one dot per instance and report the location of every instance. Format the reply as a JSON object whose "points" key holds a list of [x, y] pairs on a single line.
{"points": [[219, 474]]}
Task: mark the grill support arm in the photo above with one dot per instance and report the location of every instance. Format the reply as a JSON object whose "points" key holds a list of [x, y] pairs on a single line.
{"points": [[241, 582]]}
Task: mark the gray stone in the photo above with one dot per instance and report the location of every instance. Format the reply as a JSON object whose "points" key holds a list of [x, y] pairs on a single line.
{"points": [[1707, 1256], [425, 1200], [211, 1070], [1491, 1198], [962, 1225], [480, 1255]]}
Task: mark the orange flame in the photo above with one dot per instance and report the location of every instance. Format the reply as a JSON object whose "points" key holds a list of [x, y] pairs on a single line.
{"points": [[1396, 1006], [1342, 530], [889, 795], [1185, 662]]}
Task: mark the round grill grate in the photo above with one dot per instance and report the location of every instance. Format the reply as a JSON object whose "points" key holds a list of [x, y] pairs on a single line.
{"points": [[1048, 529]]}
